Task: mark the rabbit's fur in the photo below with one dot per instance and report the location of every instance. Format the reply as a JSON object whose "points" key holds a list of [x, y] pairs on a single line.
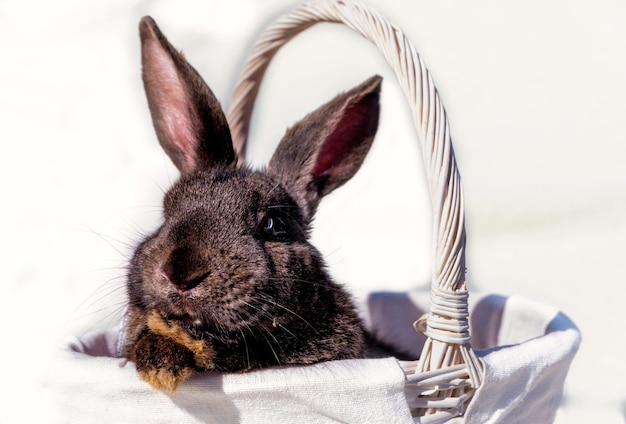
{"points": [[230, 282]]}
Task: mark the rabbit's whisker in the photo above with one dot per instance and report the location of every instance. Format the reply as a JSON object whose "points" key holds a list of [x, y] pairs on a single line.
{"points": [[269, 343], [268, 299], [245, 343]]}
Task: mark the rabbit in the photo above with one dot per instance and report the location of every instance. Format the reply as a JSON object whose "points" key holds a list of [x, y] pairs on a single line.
{"points": [[230, 281]]}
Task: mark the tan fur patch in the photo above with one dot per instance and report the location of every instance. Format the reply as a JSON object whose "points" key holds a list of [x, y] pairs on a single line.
{"points": [[161, 379], [202, 354]]}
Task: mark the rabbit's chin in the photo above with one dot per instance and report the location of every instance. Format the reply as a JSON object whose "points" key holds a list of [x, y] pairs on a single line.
{"points": [[182, 306], [196, 312]]}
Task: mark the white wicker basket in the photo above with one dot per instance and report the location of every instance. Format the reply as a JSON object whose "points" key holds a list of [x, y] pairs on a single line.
{"points": [[448, 371]]}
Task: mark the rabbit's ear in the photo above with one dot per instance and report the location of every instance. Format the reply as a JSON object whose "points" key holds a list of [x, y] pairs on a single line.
{"points": [[188, 119], [328, 146]]}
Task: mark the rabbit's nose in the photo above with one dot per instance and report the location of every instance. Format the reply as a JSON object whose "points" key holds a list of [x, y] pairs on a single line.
{"points": [[185, 268]]}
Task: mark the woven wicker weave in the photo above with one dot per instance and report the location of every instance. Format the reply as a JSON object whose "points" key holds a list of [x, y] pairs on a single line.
{"points": [[439, 385]]}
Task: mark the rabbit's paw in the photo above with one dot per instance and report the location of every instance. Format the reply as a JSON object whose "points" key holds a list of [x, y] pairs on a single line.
{"points": [[162, 362], [203, 354]]}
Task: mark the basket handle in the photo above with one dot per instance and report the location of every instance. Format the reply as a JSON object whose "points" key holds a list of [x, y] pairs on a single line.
{"points": [[447, 323]]}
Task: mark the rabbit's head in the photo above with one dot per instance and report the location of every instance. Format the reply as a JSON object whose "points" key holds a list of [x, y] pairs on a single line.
{"points": [[233, 251]]}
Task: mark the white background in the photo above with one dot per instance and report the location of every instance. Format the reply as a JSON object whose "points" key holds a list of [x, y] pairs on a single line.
{"points": [[535, 93]]}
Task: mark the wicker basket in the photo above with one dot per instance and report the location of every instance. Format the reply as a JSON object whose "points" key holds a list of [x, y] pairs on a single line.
{"points": [[448, 372]]}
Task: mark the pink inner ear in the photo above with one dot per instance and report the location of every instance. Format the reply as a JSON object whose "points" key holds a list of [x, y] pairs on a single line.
{"points": [[169, 99], [183, 137], [357, 122]]}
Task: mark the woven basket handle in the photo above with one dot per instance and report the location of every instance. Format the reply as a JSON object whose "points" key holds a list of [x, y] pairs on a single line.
{"points": [[446, 326]]}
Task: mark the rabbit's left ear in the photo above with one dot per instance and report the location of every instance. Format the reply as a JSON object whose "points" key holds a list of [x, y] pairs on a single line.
{"points": [[326, 148], [188, 119]]}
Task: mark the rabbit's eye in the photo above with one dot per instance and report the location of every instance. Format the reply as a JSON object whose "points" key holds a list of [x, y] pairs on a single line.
{"points": [[274, 228], [281, 223]]}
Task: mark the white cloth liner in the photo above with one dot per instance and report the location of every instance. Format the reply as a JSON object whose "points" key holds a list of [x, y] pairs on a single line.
{"points": [[526, 348]]}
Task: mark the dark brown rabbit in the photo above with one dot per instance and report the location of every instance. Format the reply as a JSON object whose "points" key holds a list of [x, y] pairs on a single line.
{"points": [[230, 282]]}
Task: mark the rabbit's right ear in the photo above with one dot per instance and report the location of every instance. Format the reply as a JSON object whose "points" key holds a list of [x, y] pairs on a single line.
{"points": [[188, 119], [327, 147]]}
